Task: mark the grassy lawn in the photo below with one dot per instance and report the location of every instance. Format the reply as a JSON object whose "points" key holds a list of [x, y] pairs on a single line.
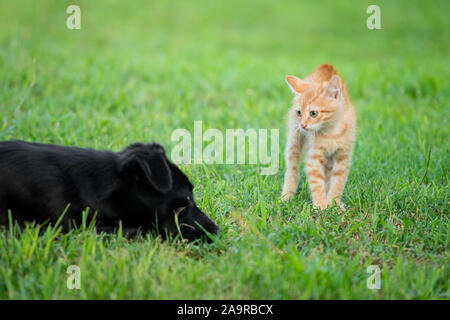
{"points": [[136, 71]]}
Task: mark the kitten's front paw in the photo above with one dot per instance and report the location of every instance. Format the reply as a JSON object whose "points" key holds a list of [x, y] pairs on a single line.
{"points": [[320, 205]]}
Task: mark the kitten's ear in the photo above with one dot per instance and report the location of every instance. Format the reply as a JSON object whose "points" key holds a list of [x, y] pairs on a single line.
{"points": [[334, 87], [296, 85]]}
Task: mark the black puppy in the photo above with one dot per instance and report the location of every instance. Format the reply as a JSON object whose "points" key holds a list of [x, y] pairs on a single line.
{"points": [[138, 187]]}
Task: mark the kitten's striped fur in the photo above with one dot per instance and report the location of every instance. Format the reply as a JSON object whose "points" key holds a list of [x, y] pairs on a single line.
{"points": [[327, 136]]}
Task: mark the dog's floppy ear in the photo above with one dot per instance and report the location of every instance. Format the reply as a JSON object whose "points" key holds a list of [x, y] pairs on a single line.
{"points": [[149, 163]]}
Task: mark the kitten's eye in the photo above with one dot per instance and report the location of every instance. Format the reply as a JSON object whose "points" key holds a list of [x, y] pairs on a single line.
{"points": [[299, 113], [314, 113], [188, 198]]}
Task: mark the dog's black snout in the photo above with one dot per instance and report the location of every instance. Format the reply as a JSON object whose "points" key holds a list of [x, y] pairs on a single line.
{"points": [[210, 227], [201, 226]]}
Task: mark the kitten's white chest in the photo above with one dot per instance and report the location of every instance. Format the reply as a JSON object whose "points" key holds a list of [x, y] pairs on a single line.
{"points": [[313, 142]]}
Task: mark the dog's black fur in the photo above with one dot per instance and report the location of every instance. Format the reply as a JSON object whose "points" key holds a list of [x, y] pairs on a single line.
{"points": [[137, 187]]}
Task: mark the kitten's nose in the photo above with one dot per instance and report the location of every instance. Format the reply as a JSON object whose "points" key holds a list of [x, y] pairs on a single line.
{"points": [[303, 125]]}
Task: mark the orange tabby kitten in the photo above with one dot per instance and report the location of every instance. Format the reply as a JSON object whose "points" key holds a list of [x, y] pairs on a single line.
{"points": [[322, 120]]}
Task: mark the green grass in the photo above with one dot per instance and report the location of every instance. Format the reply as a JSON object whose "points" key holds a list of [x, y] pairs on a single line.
{"points": [[136, 72]]}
